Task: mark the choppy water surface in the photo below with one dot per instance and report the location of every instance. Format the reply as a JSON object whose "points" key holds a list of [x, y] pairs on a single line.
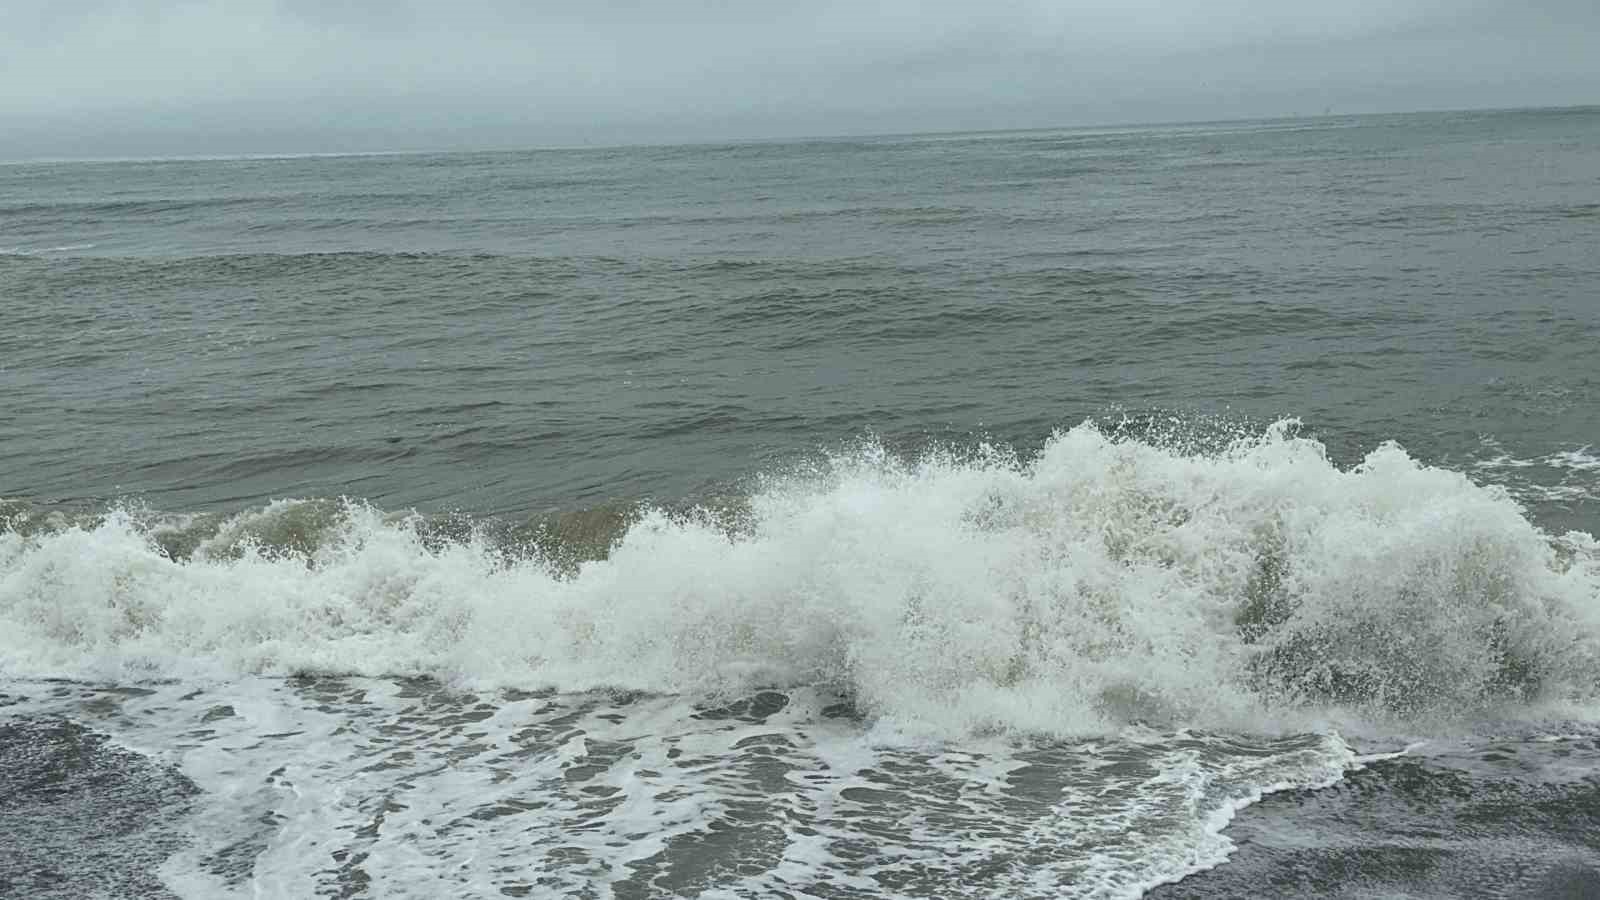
{"points": [[1040, 514]]}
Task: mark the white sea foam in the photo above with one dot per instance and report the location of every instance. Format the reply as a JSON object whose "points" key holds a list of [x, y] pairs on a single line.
{"points": [[1579, 459], [969, 607], [406, 790], [1582, 459], [1103, 581], [1562, 477]]}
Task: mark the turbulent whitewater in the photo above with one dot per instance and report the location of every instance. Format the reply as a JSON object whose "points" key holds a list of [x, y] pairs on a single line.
{"points": [[1102, 582], [1037, 654]]}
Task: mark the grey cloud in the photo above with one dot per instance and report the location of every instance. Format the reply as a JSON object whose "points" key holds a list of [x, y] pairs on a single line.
{"points": [[85, 76]]}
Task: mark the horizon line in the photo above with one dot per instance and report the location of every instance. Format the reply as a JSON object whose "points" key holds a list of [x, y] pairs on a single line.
{"points": [[799, 139]]}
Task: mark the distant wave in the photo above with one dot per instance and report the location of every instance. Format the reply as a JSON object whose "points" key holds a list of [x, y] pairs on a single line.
{"points": [[44, 251], [1106, 580]]}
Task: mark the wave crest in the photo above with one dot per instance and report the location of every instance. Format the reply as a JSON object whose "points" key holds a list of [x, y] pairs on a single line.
{"points": [[1104, 580]]}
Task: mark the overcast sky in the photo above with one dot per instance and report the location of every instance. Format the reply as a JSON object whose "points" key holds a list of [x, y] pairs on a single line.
{"points": [[177, 77]]}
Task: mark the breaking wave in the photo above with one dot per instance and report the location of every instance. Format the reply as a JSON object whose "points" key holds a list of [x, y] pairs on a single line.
{"points": [[1102, 581]]}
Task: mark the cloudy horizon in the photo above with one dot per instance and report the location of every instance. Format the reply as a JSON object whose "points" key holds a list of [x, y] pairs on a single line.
{"points": [[101, 78]]}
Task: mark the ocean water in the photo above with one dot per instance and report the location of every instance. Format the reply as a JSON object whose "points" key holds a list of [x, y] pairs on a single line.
{"points": [[1182, 511]]}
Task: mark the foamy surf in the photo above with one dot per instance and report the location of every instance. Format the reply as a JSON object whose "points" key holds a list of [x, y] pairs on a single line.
{"points": [[1567, 476], [407, 789], [1102, 582], [1059, 676]]}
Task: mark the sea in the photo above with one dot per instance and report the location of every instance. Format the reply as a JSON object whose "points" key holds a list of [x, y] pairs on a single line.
{"points": [[1183, 511]]}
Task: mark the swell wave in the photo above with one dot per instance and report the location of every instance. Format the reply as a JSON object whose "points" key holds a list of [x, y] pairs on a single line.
{"points": [[1105, 580]]}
